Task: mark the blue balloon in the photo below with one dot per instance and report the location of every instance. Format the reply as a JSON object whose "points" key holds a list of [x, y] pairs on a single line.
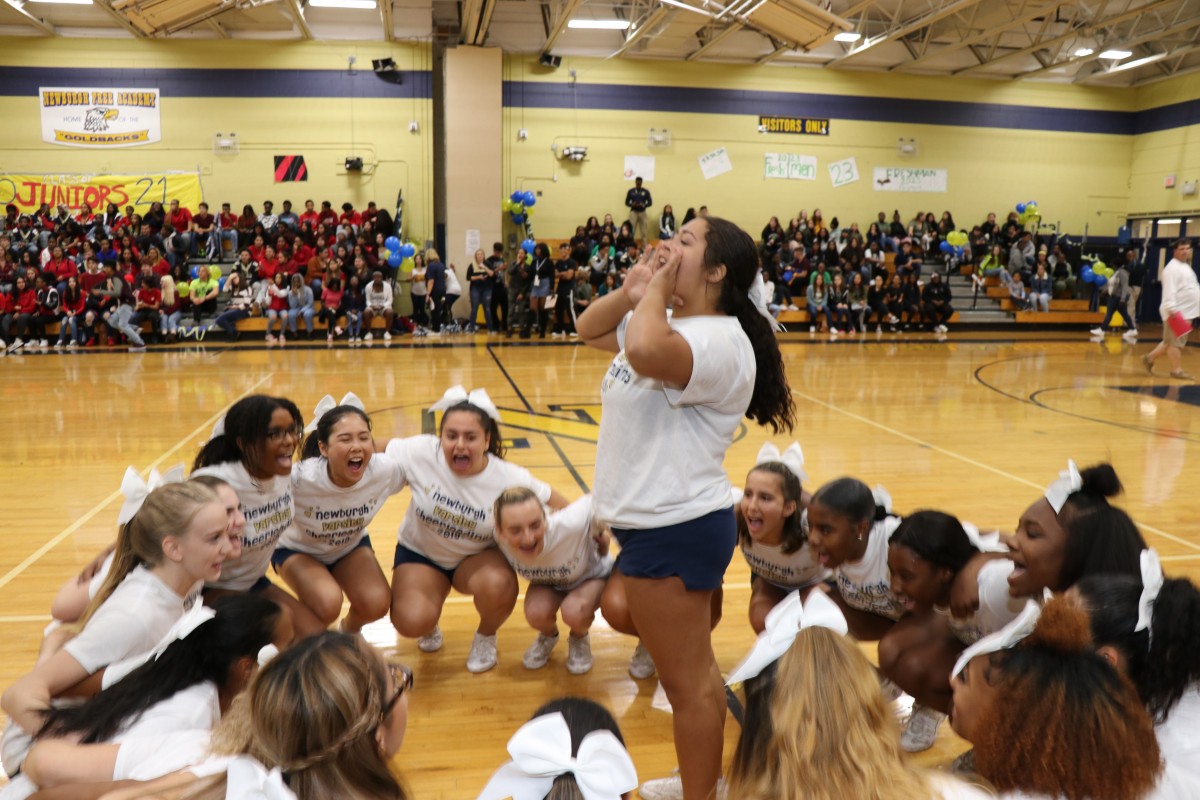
{"points": [[530, 199], [517, 196], [407, 250], [1020, 208], [528, 245], [392, 243], [958, 251], [394, 260], [195, 271], [518, 219], [788, 275], [1087, 276], [221, 283], [1099, 280], [945, 247]]}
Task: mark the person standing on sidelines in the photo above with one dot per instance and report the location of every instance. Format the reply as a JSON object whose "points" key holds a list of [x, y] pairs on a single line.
{"points": [[638, 200], [674, 398], [1181, 300]]}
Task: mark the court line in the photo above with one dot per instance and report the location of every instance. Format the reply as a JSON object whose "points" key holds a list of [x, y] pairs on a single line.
{"points": [[967, 459], [96, 509], [22, 618]]}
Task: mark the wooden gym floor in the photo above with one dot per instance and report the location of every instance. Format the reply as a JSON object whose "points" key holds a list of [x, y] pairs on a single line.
{"points": [[976, 424]]}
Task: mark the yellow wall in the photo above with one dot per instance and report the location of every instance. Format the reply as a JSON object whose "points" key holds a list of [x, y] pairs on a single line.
{"points": [[1162, 153], [320, 129]]}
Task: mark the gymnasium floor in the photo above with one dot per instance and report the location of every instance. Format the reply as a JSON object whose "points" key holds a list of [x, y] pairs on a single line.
{"points": [[976, 424]]}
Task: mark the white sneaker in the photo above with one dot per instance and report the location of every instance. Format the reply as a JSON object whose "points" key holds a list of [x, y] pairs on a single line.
{"points": [[579, 654], [891, 692], [1131, 335], [671, 788], [16, 345], [483, 653], [59, 345], [1096, 331], [538, 654], [641, 666], [43, 344], [368, 337], [387, 336], [431, 642], [793, 307], [833, 331], [921, 731], [812, 328], [72, 345]]}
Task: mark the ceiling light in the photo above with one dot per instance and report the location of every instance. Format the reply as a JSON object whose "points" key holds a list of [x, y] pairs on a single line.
{"points": [[1084, 51], [1138, 62], [847, 36], [361, 5], [686, 7], [600, 24], [65, 2], [1116, 55]]}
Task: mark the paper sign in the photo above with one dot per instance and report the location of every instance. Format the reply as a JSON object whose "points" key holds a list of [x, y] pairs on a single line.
{"points": [[790, 166], [715, 163], [909, 179], [639, 167], [844, 172], [472, 242]]}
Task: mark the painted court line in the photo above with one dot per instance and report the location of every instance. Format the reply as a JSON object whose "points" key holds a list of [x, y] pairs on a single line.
{"points": [[967, 459], [96, 509]]}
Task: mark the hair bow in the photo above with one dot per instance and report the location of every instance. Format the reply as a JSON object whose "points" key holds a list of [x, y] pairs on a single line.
{"points": [[882, 497], [784, 622], [792, 458], [266, 653], [218, 428], [758, 296], [1069, 481], [193, 618], [246, 779], [478, 398], [1152, 583], [1004, 639], [327, 404], [541, 751], [984, 542], [137, 490]]}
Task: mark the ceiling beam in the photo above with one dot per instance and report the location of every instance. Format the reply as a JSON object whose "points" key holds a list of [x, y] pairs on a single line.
{"points": [[1149, 37], [485, 21], [715, 40], [1159, 78], [560, 25], [1142, 9], [121, 19], [648, 23], [1016, 22], [293, 7], [468, 20], [1158, 58], [779, 50], [388, 21], [218, 28], [908, 27], [40, 24]]}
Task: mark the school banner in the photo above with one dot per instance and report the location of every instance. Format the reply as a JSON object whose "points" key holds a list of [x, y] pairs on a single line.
{"points": [[28, 192], [101, 118], [909, 179]]}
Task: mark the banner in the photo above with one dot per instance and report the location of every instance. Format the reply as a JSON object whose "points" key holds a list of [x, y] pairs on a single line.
{"points": [[801, 125], [85, 117], [639, 167], [28, 192], [790, 166], [909, 179], [843, 172], [715, 163]]}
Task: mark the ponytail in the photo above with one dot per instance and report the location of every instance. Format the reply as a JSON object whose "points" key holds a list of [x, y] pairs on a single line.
{"points": [[1101, 538], [248, 421]]}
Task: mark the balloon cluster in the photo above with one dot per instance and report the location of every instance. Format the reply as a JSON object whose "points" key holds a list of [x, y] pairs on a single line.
{"points": [[1028, 211], [1097, 273], [520, 205], [528, 246], [395, 252], [954, 244]]}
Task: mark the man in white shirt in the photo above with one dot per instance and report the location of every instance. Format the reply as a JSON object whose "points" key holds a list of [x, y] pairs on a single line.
{"points": [[379, 304], [1180, 295]]}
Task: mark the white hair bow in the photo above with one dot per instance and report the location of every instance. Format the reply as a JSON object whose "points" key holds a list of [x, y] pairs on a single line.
{"points": [[1069, 481], [984, 542], [193, 618], [327, 404], [792, 458], [541, 751], [478, 398], [218, 428], [266, 653], [1004, 639], [137, 490], [882, 497], [783, 624], [246, 779], [1152, 583], [758, 296]]}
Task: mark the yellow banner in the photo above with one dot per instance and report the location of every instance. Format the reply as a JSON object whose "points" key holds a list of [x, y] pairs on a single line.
{"points": [[28, 192], [107, 139]]}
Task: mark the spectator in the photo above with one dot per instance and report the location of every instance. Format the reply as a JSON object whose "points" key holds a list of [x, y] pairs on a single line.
{"points": [[72, 309], [936, 303], [268, 219], [1021, 254], [989, 228], [1016, 290], [21, 318], [858, 302], [156, 217], [499, 304], [274, 298], [59, 268], [246, 224], [564, 287], [666, 224], [1180, 296], [911, 301], [453, 292], [839, 305], [147, 303], [1041, 286], [202, 293], [24, 239], [48, 302], [1119, 299], [435, 289], [180, 220], [289, 219], [818, 304], [354, 303], [203, 226], [227, 231], [1065, 280], [420, 296], [877, 303], [310, 215], [332, 297], [379, 304], [350, 217], [583, 292], [118, 312], [171, 310], [300, 304], [480, 279], [327, 214], [1137, 274], [637, 200], [241, 301]]}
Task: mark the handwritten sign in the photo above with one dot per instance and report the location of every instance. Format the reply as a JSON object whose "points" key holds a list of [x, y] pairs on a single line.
{"points": [[790, 166], [909, 179], [843, 172], [715, 163]]}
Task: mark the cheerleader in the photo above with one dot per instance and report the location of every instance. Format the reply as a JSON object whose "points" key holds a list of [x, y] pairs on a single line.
{"points": [[252, 450], [339, 487], [564, 556], [178, 537], [772, 531], [446, 539]]}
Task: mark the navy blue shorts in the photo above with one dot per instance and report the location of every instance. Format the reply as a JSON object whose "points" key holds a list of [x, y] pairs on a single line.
{"points": [[282, 554], [261, 585], [697, 551], [407, 556]]}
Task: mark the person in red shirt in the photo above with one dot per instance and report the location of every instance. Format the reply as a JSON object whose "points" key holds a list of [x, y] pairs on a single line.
{"points": [[23, 317], [269, 264], [258, 250], [327, 214], [310, 214], [60, 267], [157, 262], [180, 220], [202, 227], [277, 306], [147, 303], [371, 212], [227, 225], [6, 315], [350, 216]]}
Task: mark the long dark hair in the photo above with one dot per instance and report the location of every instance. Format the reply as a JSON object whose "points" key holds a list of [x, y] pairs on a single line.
{"points": [[248, 419], [243, 625], [495, 444], [325, 426], [726, 243], [936, 537], [757, 731], [852, 499], [793, 534], [1101, 538], [1163, 662]]}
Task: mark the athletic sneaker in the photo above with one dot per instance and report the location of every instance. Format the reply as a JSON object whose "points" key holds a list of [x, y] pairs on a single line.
{"points": [[538, 654], [579, 654], [16, 345], [43, 344], [483, 653], [671, 788], [369, 337], [1180, 375], [964, 764], [641, 666], [921, 731], [387, 336], [430, 642], [72, 345], [1130, 334], [891, 692], [1096, 331]]}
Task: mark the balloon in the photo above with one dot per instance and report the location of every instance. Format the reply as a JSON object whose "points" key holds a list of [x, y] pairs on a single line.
{"points": [[194, 271], [530, 199], [394, 260], [517, 196], [960, 239], [391, 243], [407, 250], [1087, 275], [528, 245], [1099, 280], [384, 253], [1020, 208], [214, 272], [788, 275], [221, 284], [529, 212], [518, 219], [945, 247], [958, 251]]}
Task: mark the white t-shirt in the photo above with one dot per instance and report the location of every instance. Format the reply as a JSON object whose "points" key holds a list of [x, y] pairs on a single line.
{"points": [[786, 571], [867, 584], [946, 787], [168, 736], [131, 621], [1180, 290], [1179, 736], [453, 286], [569, 554], [450, 517], [996, 607], [268, 509], [661, 450], [378, 298], [330, 521]]}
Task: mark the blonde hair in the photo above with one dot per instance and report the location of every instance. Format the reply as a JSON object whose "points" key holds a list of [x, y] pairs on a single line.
{"points": [[168, 511], [832, 734], [513, 496], [167, 283], [313, 711], [432, 255]]}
